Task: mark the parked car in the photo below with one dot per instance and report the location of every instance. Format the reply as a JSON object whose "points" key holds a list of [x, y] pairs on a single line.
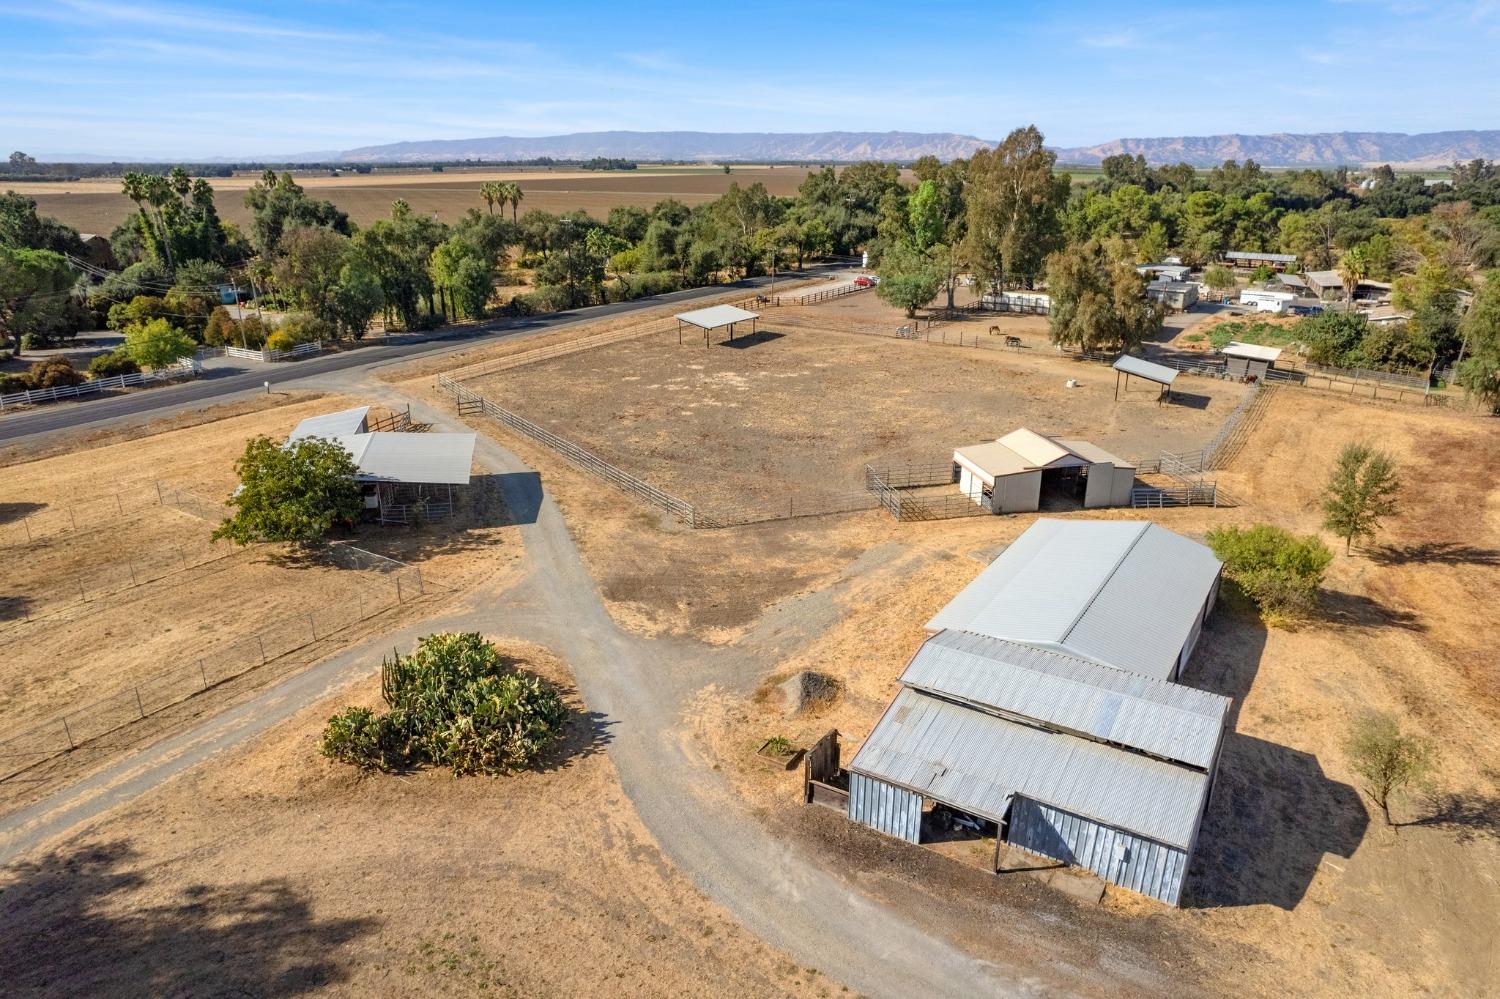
{"points": [[864, 281]]}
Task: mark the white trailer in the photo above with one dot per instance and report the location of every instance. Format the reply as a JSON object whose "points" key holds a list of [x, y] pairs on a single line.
{"points": [[1279, 302]]}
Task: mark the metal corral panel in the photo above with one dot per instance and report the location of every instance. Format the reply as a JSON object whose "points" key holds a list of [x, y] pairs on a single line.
{"points": [[1118, 857], [892, 810], [976, 762], [1062, 691]]}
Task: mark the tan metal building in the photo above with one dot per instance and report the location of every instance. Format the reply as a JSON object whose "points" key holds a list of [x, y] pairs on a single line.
{"points": [[1007, 475]]}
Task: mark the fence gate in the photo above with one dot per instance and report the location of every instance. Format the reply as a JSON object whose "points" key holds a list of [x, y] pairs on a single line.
{"points": [[823, 782], [470, 406]]}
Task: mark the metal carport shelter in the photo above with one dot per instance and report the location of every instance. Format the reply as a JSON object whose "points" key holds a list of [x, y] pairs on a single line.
{"points": [[716, 317], [1162, 375]]}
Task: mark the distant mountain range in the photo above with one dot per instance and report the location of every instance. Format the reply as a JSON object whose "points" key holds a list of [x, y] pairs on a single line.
{"points": [[1431, 149], [709, 147], [1317, 149]]}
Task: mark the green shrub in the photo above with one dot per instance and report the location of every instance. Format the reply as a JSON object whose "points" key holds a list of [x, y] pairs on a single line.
{"points": [[11, 382], [454, 702], [1276, 569], [116, 362], [304, 327], [280, 340], [54, 372]]}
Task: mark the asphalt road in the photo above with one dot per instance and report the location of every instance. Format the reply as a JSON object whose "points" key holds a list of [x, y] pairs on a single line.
{"points": [[214, 388]]}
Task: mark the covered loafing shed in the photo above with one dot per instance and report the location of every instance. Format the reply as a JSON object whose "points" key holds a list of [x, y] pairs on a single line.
{"points": [[1007, 475]]}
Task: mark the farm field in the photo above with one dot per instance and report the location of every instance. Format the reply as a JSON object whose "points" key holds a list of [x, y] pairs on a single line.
{"points": [[276, 872], [98, 206], [110, 591], [801, 408]]}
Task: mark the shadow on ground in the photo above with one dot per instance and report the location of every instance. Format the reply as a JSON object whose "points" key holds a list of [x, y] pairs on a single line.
{"points": [[1470, 816], [1353, 610], [753, 340], [1188, 400], [87, 922], [1273, 815], [1435, 553], [11, 512]]}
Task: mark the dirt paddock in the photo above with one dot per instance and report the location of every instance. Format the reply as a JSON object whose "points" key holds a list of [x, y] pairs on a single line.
{"points": [[798, 410]]}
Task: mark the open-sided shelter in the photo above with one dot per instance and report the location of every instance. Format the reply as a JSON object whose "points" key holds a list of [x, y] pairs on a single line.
{"points": [[1127, 365], [716, 317]]}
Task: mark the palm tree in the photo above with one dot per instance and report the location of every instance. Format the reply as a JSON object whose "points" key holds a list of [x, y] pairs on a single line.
{"points": [[1353, 268], [492, 191], [159, 192], [144, 190], [513, 195]]}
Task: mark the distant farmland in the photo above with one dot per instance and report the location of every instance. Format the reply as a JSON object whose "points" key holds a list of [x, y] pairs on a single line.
{"points": [[98, 206]]}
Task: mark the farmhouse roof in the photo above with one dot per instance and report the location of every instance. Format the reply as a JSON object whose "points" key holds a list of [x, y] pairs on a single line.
{"points": [[1153, 716], [345, 421], [1142, 368], [978, 762], [1254, 351], [716, 316], [1121, 593]]}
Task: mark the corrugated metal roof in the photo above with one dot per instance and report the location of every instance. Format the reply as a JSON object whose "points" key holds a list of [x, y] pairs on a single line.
{"points": [[345, 421], [1164, 719], [977, 762], [1280, 258], [1122, 593], [1254, 351], [1324, 279], [1092, 453], [1291, 280], [431, 459], [1040, 451], [1142, 368], [717, 315], [1171, 286]]}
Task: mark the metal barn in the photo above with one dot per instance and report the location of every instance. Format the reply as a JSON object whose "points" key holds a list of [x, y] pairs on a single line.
{"points": [[1044, 702], [1008, 475]]}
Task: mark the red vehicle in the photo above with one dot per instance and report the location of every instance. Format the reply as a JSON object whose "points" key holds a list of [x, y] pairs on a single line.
{"points": [[864, 282]]}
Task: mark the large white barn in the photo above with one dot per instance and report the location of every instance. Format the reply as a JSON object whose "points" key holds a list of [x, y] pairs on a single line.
{"points": [[1007, 475]]}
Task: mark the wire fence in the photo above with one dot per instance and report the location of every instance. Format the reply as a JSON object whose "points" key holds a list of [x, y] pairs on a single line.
{"points": [[828, 294], [33, 527], [391, 584], [917, 330]]}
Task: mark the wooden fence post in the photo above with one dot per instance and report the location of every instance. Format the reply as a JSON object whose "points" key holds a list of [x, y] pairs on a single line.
{"points": [[203, 672], [259, 641], [138, 705], [68, 732]]}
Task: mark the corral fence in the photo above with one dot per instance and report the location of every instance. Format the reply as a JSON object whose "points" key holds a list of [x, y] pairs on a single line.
{"points": [[398, 422], [917, 330], [395, 585], [186, 368], [828, 294], [892, 487], [106, 585], [471, 403], [53, 521], [789, 507]]}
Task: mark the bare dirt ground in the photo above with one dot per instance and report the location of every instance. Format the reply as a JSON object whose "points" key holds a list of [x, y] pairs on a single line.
{"points": [[1297, 887], [801, 410], [109, 594], [277, 872], [98, 206]]}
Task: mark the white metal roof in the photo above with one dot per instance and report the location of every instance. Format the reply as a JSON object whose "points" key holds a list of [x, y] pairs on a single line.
{"points": [[717, 315], [1324, 279], [1142, 368], [1280, 258], [345, 421], [1019, 451], [1041, 451], [1291, 280], [1093, 453], [431, 459], [1171, 286], [1164, 719], [1254, 351], [978, 762], [1122, 593]]}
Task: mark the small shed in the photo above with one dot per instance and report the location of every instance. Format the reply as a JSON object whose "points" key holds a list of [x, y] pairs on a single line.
{"points": [[1007, 475], [716, 317], [1176, 296], [1249, 360], [1127, 365], [1165, 271]]}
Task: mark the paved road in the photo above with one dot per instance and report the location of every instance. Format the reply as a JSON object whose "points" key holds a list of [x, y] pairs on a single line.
{"points": [[220, 387]]}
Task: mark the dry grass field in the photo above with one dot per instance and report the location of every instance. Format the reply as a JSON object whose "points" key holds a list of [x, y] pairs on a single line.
{"points": [[275, 872], [98, 205], [798, 410], [137, 595]]}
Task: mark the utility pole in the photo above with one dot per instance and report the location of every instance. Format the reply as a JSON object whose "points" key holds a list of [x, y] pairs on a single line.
{"points": [[236, 286]]}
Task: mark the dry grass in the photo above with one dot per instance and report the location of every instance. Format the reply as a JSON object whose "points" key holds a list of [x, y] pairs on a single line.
{"points": [[275, 871]]}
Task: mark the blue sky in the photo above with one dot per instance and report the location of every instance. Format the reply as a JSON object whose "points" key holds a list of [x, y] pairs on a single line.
{"points": [[217, 79]]}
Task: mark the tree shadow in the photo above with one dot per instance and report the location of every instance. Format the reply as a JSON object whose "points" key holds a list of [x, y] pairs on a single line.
{"points": [[17, 511], [1272, 813], [89, 922], [1353, 610], [1472, 816], [1434, 553]]}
